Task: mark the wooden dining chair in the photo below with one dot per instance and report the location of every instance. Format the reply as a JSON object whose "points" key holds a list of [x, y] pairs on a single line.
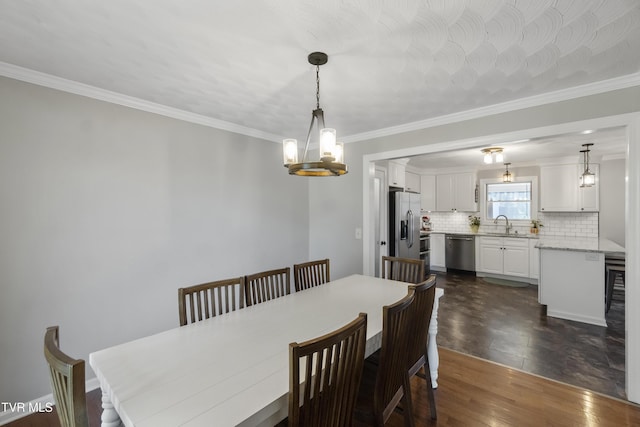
{"points": [[67, 382], [421, 309], [211, 299], [267, 285], [614, 267], [403, 269], [331, 372], [310, 274], [377, 401]]}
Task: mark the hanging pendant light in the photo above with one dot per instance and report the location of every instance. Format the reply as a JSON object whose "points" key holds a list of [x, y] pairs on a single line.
{"points": [[331, 161], [588, 178], [507, 176]]}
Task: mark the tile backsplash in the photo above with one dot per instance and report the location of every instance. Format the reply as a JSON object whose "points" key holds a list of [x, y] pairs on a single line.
{"points": [[557, 225]]}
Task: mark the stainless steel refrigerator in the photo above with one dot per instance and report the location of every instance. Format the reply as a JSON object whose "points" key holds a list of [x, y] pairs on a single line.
{"points": [[404, 224]]}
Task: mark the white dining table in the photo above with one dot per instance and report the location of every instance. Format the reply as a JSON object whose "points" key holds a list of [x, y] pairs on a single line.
{"points": [[233, 369]]}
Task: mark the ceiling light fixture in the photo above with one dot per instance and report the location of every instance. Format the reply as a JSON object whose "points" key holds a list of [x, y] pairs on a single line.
{"points": [[588, 178], [492, 155], [507, 176], [331, 161]]}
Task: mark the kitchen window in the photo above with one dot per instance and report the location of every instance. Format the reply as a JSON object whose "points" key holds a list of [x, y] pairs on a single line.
{"points": [[516, 200]]}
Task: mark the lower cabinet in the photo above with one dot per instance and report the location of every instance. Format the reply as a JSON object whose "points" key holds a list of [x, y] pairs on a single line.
{"points": [[437, 252], [534, 259], [504, 255]]}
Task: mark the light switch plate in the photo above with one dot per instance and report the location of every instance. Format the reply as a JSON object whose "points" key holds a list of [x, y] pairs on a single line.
{"points": [[358, 233]]}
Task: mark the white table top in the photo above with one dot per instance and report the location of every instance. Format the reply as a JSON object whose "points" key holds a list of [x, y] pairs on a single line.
{"points": [[233, 369]]}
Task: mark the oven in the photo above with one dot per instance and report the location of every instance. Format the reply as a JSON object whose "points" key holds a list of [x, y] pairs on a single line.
{"points": [[425, 252]]}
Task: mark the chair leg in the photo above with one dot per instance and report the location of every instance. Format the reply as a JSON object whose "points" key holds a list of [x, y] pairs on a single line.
{"points": [[408, 403], [430, 391], [611, 278]]}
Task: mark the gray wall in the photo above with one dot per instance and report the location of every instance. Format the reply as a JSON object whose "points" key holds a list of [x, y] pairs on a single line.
{"points": [[612, 200], [107, 210]]}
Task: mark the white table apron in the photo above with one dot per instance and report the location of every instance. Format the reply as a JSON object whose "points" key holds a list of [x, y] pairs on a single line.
{"points": [[234, 369]]}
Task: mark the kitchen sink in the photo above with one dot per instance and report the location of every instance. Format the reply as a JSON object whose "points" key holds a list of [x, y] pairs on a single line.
{"points": [[522, 235]]}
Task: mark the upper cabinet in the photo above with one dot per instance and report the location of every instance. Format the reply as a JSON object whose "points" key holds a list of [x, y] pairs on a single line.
{"points": [[412, 182], [456, 192], [396, 174], [428, 192], [560, 189]]}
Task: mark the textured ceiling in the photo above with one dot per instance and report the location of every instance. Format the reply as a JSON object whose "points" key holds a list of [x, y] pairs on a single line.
{"points": [[390, 62], [608, 144]]}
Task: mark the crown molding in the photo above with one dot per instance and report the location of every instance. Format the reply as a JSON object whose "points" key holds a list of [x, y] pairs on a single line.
{"points": [[70, 86], [603, 86]]}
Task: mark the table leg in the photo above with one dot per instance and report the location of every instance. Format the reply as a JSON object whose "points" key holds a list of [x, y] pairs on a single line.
{"points": [[432, 346], [110, 417]]}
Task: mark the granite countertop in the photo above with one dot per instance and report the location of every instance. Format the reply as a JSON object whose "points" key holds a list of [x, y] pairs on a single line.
{"points": [[469, 233], [591, 245]]}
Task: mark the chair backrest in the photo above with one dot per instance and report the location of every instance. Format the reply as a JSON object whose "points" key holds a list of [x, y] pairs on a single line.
{"points": [[211, 299], [67, 382], [392, 367], [310, 274], [403, 269], [331, 373], [421, 313], [614, 260], [267, 285]]}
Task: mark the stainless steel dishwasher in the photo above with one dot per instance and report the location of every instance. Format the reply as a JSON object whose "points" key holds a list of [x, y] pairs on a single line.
{"points": [[460, 252]]}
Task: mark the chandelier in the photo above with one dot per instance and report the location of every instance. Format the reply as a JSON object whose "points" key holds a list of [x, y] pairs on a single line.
{"points": [[331, 152], [493, 155], [588, 178]]}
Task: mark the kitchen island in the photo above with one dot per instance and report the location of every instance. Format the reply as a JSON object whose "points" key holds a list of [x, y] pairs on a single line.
{"points": [[572, 278]]}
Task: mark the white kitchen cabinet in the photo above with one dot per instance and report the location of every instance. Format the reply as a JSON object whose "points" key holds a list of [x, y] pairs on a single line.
{"points": [[516, 257], [504, 255], [571, 285], [560, 189], [412, 182], [456, 192], [444, 193], [396, 174], [437, 252], [534, 259], [428, 192]]}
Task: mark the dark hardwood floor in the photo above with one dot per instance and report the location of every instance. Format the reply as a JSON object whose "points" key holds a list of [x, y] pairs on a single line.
{"points": [[507, 325], [474, 392]]}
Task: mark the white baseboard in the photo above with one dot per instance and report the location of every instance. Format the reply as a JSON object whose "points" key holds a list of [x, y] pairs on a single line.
{"points": [[41, 402], [529, 280], [577, 317]]}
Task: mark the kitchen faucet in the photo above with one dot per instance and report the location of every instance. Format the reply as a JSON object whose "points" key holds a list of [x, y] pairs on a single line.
{"points": [[508, 227]]}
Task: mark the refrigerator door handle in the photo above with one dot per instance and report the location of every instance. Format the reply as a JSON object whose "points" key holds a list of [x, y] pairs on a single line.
{"points": [[411, 228]]}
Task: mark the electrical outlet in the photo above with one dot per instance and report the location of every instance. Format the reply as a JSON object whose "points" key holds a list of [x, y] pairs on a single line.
{"points": [[592, 256]]}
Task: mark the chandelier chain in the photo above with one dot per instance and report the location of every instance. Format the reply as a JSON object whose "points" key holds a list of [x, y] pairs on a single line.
{"points": [[317, 86]]}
